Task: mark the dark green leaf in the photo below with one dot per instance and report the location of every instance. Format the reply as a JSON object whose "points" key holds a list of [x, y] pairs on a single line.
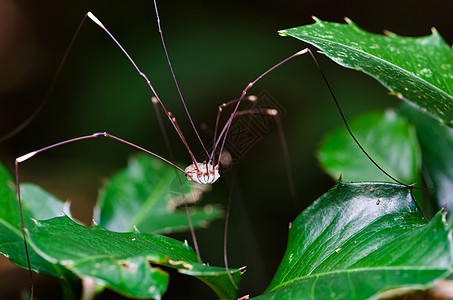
{"points": [[359, 240], [146, 195], [11, 239], [124, 261], [418, 70], [386, 137]]}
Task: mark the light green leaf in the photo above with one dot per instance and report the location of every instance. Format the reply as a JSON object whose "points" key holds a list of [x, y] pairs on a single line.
{"points": [[387, 138], [147, 195], [40, 203]]}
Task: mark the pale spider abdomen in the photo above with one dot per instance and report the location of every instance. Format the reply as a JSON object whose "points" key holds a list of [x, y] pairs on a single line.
{"points": [[202, 173]]}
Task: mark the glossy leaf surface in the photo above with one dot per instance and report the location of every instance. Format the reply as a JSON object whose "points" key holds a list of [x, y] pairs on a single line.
{"points": [[125, 262], [359, 240], [418, 70]]}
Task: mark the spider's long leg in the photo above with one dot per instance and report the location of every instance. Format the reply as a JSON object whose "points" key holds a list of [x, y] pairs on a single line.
{"points": [[49, 91], [174, 78], [337, 104], [29, 155], [172, 158], [148, 82], [247, 88]]}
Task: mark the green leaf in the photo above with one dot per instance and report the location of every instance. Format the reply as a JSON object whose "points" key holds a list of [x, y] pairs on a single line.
{"points": [[41, 204], [11, 239], [124, 262], [386, 137], [436, 142], [359, 240], [146, 195], [418, 70]]}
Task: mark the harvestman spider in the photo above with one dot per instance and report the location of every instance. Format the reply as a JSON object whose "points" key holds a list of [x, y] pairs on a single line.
{"points": [[206, 172]]}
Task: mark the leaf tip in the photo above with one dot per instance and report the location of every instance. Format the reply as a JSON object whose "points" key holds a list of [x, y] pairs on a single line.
{"points": [[67, 209], [242, 269], [282, 33]]}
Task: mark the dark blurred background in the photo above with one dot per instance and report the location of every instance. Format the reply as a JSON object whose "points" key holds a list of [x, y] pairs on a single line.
{"points": [[216, 48]]}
